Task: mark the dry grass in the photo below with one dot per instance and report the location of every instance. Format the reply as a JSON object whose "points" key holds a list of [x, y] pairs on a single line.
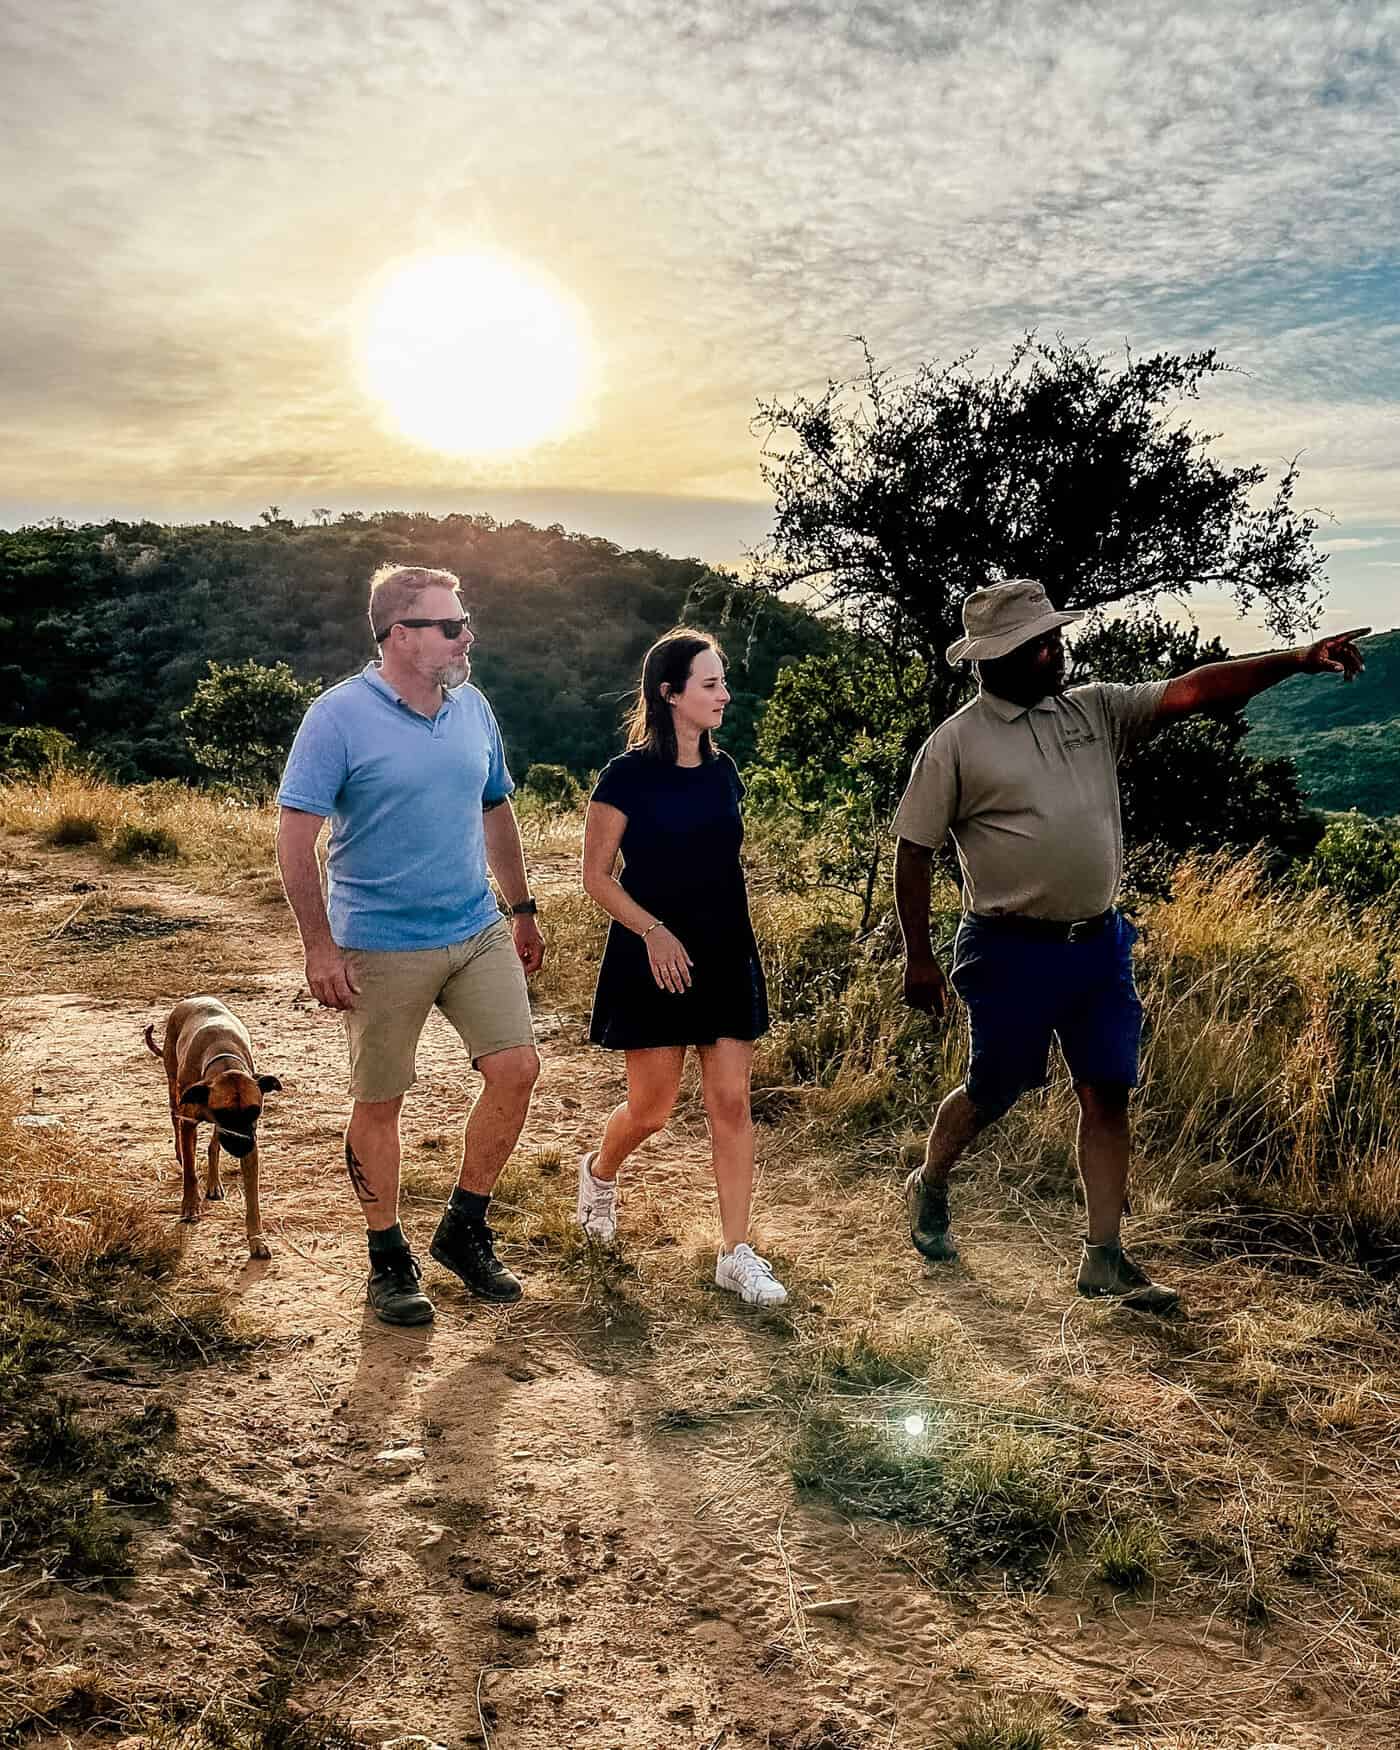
{"points": [[85, 1282], [215, 843]]}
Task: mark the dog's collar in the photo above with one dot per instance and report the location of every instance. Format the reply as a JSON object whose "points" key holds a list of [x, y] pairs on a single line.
{"points": [[236, 1055]]}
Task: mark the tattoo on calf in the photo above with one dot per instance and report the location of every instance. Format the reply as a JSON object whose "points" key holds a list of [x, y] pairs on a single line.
{"points": [[359, 1184]]}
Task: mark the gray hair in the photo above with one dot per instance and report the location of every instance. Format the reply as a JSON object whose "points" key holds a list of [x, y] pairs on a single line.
{"points": [[395, 588]]}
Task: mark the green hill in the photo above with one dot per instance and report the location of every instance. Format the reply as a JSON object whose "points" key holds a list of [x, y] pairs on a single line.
{"points": [[1344, 739], [110, 627]]}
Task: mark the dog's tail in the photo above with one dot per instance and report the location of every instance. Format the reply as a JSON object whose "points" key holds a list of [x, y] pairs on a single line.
{"points": [[151, 1045]]}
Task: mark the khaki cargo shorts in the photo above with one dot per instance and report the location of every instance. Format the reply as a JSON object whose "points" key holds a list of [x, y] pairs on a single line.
{"points": [[478, 984]]}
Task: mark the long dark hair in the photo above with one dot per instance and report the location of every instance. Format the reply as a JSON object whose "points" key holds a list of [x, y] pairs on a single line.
{"points": [[667, 664]]}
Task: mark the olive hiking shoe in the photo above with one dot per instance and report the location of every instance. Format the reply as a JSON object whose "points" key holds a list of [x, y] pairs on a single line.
{"points": [[927, 1207], [393, 1290], [464, 1246], [1108, 1270]]}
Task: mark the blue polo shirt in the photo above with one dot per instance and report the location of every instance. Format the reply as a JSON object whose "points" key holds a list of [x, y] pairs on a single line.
{"points": [[404, 794]]}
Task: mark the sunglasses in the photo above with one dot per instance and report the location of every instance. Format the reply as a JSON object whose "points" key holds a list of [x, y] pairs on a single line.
{"points": [[449, 628]]}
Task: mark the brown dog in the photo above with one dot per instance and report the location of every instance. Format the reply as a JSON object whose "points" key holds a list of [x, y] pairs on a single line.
{"points": [[208, 1060]]}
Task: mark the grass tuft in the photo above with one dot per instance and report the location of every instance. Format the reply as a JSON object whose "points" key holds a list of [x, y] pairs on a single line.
{"points": [[1128, 1557], [1005, 1722], [980, 1494]]}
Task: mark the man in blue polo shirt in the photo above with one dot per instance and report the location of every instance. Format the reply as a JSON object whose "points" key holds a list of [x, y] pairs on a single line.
{"points": [[406, 762]]}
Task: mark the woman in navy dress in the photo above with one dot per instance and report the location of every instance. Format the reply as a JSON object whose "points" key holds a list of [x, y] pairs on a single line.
{"points": [[681, 966]]}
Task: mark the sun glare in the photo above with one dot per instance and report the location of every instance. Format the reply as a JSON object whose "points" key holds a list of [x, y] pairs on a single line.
{"points": [[475, 355]]}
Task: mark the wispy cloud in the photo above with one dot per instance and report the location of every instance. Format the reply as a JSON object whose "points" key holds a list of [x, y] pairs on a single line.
{"points": [[197, 194]]}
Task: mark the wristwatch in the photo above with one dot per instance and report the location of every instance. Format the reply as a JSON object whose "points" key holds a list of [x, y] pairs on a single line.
{"points": [[525, 909]]}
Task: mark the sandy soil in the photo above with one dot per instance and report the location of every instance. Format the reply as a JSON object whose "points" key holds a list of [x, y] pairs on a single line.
{"points": [[539, 1563]]}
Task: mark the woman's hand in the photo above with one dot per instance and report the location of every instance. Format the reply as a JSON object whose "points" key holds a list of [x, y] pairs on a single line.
{"points": [[670, 964]]}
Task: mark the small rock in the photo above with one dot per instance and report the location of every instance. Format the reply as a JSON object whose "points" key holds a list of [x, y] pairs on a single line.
{"points": [[517, 1622], [681, 1711], [37, 1121], [399, 1461], [1125, 1713], [434, 1535]]}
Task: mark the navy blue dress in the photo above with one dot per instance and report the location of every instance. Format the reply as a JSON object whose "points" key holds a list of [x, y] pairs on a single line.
{"points": [[681, 861]]}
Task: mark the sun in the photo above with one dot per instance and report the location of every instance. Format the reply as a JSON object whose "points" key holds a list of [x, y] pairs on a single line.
{"points": [[475, 355]]}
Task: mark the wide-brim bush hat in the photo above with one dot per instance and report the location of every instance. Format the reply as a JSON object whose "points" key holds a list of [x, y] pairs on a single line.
{"points": [[998, 619]]}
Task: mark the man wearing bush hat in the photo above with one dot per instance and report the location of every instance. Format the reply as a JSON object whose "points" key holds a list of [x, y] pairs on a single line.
{"points": [[1024, 780]]}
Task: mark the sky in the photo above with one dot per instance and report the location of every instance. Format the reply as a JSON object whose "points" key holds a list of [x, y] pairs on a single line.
{"points": [[203, 200]]}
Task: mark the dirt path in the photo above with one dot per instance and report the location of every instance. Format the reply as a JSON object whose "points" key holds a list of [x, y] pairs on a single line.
{"points": [[550, 1556]]}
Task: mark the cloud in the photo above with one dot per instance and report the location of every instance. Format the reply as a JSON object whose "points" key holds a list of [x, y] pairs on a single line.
{"points": [[197, 195]]}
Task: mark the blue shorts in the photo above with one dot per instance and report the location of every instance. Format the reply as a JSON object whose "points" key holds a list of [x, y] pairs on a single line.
{"points": [[1020, 992]]}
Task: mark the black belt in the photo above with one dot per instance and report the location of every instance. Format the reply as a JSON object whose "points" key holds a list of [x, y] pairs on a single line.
{"points": [[1044, 929]]}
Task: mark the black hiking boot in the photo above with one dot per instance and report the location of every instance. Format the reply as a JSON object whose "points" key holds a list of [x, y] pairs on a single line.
{"points": [[393, 1290], [927, 1207], [463, 1246], [1108, 1270]]}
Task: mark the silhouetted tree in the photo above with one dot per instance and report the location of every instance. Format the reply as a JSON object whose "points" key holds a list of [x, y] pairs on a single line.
{"points": [[896, 498]]}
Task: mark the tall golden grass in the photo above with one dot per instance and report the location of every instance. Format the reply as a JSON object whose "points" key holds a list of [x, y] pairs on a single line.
{"points": [[1271, 1066], [214, 836]]}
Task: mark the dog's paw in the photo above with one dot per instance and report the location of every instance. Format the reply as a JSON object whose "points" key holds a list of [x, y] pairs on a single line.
{"points": [[217, 1195], [260, 1249], [189, 1217]]}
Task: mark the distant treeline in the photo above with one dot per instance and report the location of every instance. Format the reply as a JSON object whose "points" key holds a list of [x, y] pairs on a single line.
{"points": [[109, 627]]}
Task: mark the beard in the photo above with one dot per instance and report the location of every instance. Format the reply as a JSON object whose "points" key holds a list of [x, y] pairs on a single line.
{"points": [[454, 673], [1021, 680]]}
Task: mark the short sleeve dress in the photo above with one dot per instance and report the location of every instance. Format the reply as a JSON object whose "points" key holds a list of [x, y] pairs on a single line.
{"points": [[681, 860]]}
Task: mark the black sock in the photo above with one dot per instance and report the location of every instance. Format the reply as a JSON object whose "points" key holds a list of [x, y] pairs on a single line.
{"points": [[470, 1203], [386, 1239]]}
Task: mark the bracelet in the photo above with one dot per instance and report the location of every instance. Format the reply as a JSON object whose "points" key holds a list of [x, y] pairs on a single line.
{"points": [[655, 924]]}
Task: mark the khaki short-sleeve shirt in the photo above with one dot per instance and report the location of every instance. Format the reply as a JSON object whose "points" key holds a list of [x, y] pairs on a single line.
{"points": [[1030, 796]]}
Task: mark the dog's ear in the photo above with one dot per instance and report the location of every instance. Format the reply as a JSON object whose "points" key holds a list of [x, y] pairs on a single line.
{"points": [[270, 1084], [196, 1095]]}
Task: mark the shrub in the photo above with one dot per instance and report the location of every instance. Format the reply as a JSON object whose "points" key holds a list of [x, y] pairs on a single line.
{"points": [[1358, 859], [241, 721], [74, 829], [139, 842], [555, 786], [33, 751]]}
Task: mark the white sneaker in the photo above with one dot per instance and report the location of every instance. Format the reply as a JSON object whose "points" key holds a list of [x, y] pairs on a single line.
{"points": [[597, 1201], [744, 1273]]}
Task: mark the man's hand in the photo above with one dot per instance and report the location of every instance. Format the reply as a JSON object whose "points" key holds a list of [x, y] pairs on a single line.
{"points": [[329, 978], [925, 988], [1336, 655], [529, 943]]}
